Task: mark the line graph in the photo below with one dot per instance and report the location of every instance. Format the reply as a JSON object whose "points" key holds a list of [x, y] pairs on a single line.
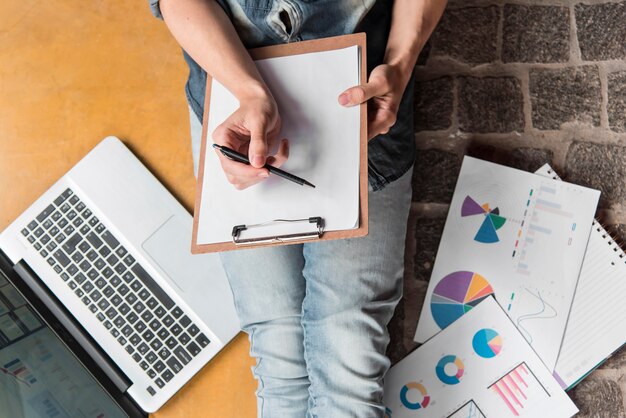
{"points": [[546, 311]]}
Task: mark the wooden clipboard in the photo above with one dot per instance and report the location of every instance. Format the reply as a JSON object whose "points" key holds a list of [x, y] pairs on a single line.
{"points": [[296, 48]]}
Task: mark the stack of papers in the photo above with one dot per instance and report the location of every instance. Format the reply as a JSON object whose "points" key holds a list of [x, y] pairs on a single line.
{"points": [[480, 366], [520, 241]]}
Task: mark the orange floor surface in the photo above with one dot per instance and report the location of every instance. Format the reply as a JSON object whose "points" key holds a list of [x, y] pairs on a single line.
{"points": [[75, 71]]}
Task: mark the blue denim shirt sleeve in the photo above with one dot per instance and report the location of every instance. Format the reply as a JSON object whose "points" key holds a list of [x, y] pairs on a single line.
{"points": [[155, 9]]}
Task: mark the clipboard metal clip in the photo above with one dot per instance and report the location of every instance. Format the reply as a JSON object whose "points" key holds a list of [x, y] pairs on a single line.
{"points": [[313, 229]]}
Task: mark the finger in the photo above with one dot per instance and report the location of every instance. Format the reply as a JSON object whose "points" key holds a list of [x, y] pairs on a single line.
{"points": [[257, 151], [240, 171], [359, 94], [380, 123], [281, 156]]}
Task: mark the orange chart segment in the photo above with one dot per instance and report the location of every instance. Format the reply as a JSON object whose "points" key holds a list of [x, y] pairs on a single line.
{"points": [[478, 288]]}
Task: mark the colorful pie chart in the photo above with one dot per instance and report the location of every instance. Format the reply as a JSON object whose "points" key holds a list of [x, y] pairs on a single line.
{"points": [[487, 343], [456, 294], [447, 377], [492, 220]]}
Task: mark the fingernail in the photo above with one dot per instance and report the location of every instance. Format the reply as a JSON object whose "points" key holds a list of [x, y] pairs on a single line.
{"points": [[257, 161], [264, 174], [343, 99]]}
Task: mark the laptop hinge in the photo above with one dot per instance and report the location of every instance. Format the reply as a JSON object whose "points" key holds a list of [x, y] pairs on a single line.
{"points": [[119, 379]]}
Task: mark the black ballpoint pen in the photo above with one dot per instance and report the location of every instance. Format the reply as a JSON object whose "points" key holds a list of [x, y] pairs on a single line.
{"points": [[235, 156]]}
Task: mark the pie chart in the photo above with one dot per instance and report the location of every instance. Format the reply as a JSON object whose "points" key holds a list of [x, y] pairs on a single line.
{"points": [[487, 343], [456, 294], [493, 221]]}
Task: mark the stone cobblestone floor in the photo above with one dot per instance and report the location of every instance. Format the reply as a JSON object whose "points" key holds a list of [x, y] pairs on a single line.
{"points": [[520, 83]]}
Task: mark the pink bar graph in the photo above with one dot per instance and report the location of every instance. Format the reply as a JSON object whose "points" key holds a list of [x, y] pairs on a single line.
{"points": [[519, 390]]}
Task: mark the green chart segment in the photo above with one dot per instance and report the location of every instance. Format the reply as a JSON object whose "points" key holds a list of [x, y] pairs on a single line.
{"points": [[456, 294], [493, 221]]}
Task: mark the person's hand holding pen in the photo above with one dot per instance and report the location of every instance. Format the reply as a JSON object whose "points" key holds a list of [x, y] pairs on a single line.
{"points": [[251, 130]]}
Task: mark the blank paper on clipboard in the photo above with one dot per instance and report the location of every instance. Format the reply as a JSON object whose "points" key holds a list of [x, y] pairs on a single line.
{"points": [[324, 149]]}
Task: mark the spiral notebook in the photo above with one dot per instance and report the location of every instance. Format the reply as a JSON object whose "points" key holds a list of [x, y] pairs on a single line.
{"points": [[596, 327]]}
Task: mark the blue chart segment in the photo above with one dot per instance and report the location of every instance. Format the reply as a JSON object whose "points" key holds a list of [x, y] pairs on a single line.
{"points": [[487, 343], [453, 378], [415, 404], [493, 221]]}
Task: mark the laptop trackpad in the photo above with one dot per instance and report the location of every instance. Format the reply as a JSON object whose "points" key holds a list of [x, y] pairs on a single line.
{"points": [[169, 248]]}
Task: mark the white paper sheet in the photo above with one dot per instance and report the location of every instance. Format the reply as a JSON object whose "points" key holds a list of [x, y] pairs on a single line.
{"points": [[480, 366], [526, 245], [596, 326], [324, 149]]}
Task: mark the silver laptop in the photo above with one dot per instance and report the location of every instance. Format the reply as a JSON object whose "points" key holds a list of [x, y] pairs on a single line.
{"points": [[103, 261]]}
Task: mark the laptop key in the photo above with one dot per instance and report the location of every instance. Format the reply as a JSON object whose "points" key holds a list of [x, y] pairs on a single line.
{"points": [[130, 349], [164, 353], [54, 231], [146, 366], [143, 294], [99, 263], [51, 245], [148, 335], [184, 338], [121, 252], [45, 213], [124, 308], [163, 333], [80, 278], [58, 269], [174, 364], [73, 199], [123, 289], [108, 291], [93, 275], [80, 207], [194, 349], [115, 281], [93, 221], [128, 277], [92, 255], [71, 215], [116, 300], [167, 375], [100, 228], [104, 251], [135, 339], [84, 265], [65, 277], [159, 366], [156, 344], [37, 245], [139, 307], [182, 355], [61, 258], [107, 272], [77, 257], [100, 282], [129, 260], [136, 357], [159, 383], [193, 330], [47, 224], [111, 313], [147, 316], [119, 321], [151, 357], [77, 222], [86, 214], [38, 232], [114, 332], [44, 240], [87, 286], [86, 301], [51, 261], [56, 216], [110, 239], [140, 326], [72, 269], [159, 311], [93, 308], [202, 340], [72, 284], [62, 222], [177, 312], [176, 330], [25, 232], [100, 317], [60, 238], [85, 230], [43, 253], [103, 304], [32, 225], [152, 302], [136, 285], [155, 325], [68, 230], [185, 321], [79, 292], [151, 373], [132, 317], [171, 342], [120, 268], [127, 331]]}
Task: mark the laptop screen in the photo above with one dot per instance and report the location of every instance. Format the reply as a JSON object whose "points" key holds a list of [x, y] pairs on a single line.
{"points": [[39, 375]]}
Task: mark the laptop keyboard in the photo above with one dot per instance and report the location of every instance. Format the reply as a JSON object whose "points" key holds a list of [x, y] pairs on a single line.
{"points": [[117, 290]]}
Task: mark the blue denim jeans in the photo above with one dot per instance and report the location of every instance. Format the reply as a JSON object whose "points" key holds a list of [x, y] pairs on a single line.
{"points": [[317, 313]]}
